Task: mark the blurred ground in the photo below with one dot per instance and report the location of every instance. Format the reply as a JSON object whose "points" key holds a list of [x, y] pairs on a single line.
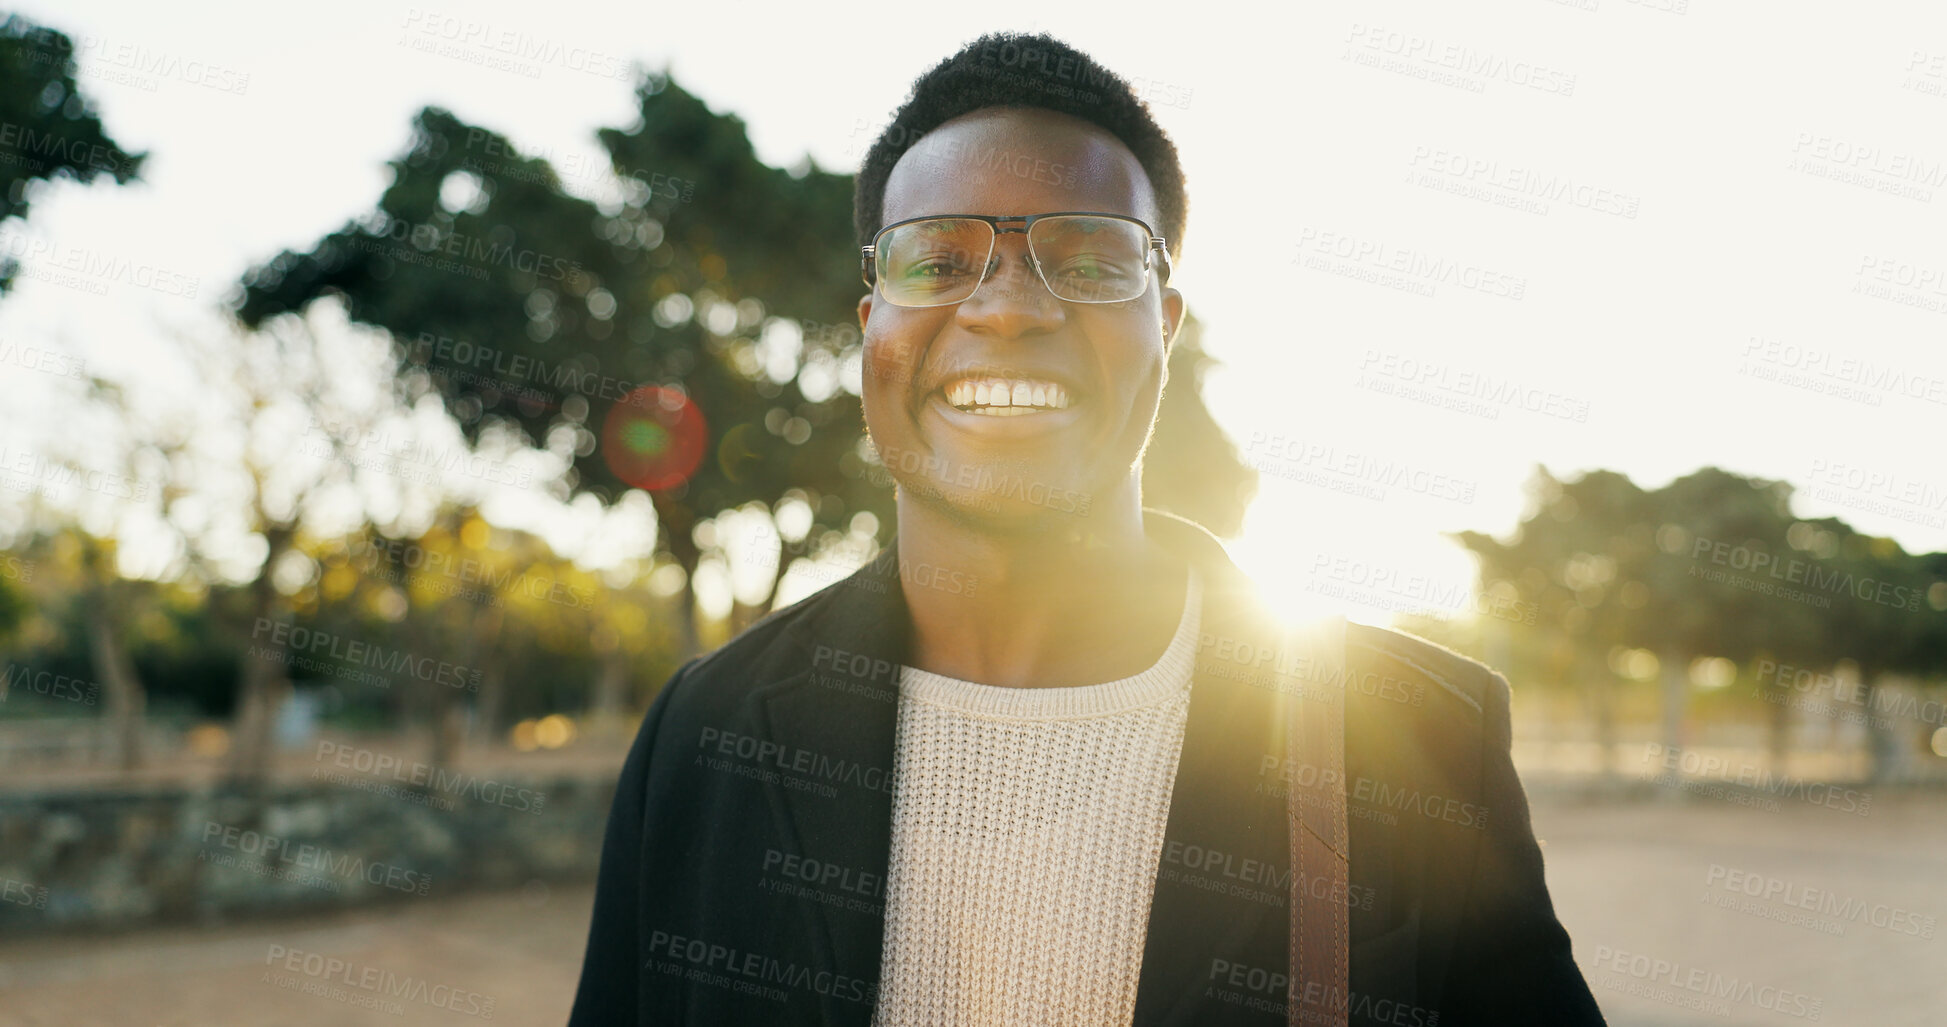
{"points": [[1627, 878], [520, 950], [1633, 878]]}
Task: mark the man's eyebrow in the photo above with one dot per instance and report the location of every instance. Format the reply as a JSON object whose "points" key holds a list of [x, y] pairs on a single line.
{"points": [[941, 228]]}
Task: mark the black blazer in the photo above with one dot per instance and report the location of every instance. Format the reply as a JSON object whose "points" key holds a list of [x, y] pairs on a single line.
{"points": [[743, 873]]}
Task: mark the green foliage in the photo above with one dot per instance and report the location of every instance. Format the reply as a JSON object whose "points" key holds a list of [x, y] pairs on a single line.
{"points": [[531, 306], [48, 130], [14, 609], [1191, 467]]}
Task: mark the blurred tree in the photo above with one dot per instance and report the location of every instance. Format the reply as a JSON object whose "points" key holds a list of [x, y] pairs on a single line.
{"points": [[1192, 468], [1879, 619], [464, 580], [1928, 655], [111, 441], [519, 304], [1693, 609], [52, 132], [16, 605], [14, 608], [1578, 558], [1712, 565], [281, 421], [1926, 658], [52, 129], [107, 606], [525, 627]]}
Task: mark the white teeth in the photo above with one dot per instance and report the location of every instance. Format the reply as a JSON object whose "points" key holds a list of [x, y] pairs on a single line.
{"points": [[1007, 396]]}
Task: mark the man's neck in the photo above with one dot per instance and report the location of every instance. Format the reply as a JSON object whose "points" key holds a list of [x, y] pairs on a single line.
{"points": [[1075, 601]]}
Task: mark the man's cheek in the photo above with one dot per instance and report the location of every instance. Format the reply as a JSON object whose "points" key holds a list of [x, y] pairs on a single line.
{"points": [[882, 364], [875, 369]]}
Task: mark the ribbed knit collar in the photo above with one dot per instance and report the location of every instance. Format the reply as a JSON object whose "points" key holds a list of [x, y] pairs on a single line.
{"points": [[1168, 676]]}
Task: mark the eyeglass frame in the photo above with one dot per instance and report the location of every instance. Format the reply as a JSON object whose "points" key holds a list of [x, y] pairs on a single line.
{"points": [[868, 255]]}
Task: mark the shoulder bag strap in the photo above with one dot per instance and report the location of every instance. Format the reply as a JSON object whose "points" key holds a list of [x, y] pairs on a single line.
{"points": [[1320, 846]]}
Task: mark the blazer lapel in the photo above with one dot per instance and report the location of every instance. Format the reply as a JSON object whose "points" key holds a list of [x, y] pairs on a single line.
{"points": [[843, 709], [1217, 874], [1223, 884]]}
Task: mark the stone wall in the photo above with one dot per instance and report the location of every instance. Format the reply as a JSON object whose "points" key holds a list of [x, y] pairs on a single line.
{"points": [[114, 859]]}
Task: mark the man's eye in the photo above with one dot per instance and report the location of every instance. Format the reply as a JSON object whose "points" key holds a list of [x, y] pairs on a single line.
{"points": [[939, 267], [1091, 269]]}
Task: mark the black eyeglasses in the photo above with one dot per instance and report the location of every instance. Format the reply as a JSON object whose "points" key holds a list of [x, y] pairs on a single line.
{"points": [[1081, 256]]}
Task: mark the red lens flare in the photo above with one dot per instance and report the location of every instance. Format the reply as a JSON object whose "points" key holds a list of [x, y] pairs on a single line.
{"points": [[654, 438]]}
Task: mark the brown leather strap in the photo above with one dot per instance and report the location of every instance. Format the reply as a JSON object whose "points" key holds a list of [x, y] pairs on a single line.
{"points": [[1319, 991]]}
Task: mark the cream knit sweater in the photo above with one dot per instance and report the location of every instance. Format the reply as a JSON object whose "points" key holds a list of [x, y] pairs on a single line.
{"points": [[1026, 828]]}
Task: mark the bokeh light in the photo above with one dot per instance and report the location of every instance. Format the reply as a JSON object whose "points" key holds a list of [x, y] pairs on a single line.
{"points": [[654, 438]]}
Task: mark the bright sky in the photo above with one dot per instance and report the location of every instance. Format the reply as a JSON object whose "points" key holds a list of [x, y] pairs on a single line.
{"points": [[1453, 240]]}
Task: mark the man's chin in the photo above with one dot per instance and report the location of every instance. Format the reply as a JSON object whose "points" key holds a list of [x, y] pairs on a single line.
{"points": [[1007, 503]]}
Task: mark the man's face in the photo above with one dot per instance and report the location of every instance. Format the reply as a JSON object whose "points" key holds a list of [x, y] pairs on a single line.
{"points": [[1016, 470]]}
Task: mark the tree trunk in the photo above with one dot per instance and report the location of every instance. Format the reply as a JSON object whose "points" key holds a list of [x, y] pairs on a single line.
{"points": [[1675, 671], [449, 703], [265, 686], [1600, 684], [746, 614], [266, 683], [1778, 724], [449, 728], [108, 651], [611, 695], [126, 697], [674, 528], [493, 691], [1884, 742]]}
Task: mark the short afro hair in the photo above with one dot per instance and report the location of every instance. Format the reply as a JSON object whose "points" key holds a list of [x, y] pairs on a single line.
{"points": [[1011, 69]]}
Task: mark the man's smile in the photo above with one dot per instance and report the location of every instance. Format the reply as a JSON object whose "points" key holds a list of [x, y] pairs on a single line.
{"points": [[995, 413], [1002, 397], [1014, 400]]}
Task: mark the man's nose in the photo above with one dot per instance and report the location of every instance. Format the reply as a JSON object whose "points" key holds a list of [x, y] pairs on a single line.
{"points": [[1012, 300]]}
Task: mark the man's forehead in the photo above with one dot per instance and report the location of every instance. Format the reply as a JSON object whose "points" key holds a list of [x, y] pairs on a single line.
{"points": [[1017, 161]]}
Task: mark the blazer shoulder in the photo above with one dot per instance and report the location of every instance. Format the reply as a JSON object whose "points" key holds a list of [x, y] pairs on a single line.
{"points": [[764, 651], [1462, 678]]}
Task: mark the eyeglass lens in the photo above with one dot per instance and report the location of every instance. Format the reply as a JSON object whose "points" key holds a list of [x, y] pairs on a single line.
{"points": [[1081, 258]]}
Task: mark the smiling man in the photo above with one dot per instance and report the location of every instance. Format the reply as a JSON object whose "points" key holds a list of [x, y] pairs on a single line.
{"points": [[1046, 760]]}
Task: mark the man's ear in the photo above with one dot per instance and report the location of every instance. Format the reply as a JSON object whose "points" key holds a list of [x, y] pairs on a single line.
{"points": [[865, 310], [1173, 309]]}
